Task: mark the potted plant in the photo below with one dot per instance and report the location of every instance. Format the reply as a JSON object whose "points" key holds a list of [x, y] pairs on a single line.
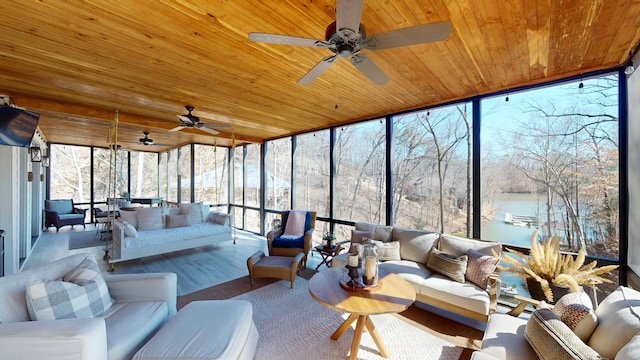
{"points": [[330, 239], [547, 267]]}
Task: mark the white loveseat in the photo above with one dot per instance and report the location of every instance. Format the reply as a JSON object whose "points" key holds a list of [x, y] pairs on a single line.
{"points": [[432, 288], [152, 231], [614, 333], [143, 303]]}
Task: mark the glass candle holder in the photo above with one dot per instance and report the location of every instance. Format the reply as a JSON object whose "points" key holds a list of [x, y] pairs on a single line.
{"points": [[370, 270]]}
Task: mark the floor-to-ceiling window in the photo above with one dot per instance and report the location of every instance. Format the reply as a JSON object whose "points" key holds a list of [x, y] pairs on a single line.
{"points": [[144, 174], [278, 174], [431, 168], [550, 165], [312, 174], [211, 176]]}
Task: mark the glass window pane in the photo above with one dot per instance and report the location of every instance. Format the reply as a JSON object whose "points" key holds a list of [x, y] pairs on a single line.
{"points": [[252, 167], [278, 173], [312, 172], [432, 169], [360, 172], [211, 174], [238, 180], [70, 173], [144, 174], [172, 175], [185, 174], [550, 163]]}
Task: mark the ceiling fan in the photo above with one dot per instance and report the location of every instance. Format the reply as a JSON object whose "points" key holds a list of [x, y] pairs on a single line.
{"points": [[345, 37], [146, 140], [191, 121]]}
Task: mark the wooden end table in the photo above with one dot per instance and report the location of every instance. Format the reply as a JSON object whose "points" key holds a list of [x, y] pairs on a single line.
{"points": [[327, 253], [393, 295]]}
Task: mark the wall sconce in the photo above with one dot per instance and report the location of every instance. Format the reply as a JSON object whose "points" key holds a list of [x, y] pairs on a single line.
{"points": [[630, 68], [36, 154], [45, 161]]}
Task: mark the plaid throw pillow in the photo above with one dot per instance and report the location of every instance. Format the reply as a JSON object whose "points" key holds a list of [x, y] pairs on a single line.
{"points": [[82, 293]]}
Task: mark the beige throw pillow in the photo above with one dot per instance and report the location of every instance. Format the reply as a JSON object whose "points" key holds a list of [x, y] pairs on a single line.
{"points": [[193, 210], [176, 221], [451, 266], [388, 251]]}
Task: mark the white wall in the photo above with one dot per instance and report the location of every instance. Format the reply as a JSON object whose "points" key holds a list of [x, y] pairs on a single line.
{"points": [[10, 158]]}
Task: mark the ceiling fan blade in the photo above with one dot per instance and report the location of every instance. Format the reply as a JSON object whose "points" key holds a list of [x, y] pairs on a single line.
{"points": [[217, 125], [348, 13], [188, 119], [207, 130], [318, 69], [418, 34], [369, 69], [286, 40], [177, 128]]}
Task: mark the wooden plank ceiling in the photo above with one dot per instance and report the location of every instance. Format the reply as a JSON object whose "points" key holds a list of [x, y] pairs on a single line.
{"points": [[77, 62]]}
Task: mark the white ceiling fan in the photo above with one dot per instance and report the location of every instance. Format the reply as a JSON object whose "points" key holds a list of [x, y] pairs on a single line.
{"points": [[191, 121], [345, 37]]}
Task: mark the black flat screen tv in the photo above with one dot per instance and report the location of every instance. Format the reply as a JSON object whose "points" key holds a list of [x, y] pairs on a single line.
{"points": [[17, 126]]}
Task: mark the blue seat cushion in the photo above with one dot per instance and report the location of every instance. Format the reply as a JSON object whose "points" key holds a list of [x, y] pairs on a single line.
{"points": [[288, 243]]}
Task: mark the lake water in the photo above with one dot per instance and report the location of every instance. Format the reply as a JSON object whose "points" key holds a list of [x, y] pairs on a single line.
{"points": [[497, 230]]}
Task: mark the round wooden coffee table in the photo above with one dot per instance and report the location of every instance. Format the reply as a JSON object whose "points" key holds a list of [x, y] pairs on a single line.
{"points": [[393, 295]]}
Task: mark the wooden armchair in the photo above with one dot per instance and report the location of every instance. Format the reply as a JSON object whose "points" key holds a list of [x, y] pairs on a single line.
{"points": [[285, 247]]}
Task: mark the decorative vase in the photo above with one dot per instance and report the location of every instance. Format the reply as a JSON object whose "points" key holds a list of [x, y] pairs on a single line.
{"points": [[535, 290]]}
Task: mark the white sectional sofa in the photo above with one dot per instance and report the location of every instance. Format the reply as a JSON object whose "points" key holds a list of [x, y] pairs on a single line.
{"points": [[158, 230], [612, 331], [414, 248], [142, 304]]}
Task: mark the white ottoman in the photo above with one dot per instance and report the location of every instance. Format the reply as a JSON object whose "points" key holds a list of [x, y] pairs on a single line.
{"points": [[214, 329]]}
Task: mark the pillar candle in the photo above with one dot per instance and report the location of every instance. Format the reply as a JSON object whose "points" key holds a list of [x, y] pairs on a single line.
{"points": [[370, 268], [353, 260]]}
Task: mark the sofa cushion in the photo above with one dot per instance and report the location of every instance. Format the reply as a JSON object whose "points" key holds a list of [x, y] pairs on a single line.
{"points": [[61, 206], [449, 265], [193, 210], [130, 217], [467, 295], [415, 273], [480, 267], [575, 310], [176, 221], [616, 315], [414, 244], [380, 232], [387, 251], [631, 350], [149, 218], [552, 339], [359, 236], [457, 245], [504, 338], [129, 325], [82, 293], [12, 297]]}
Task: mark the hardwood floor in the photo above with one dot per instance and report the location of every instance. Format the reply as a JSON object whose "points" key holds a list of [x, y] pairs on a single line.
{"points": [[197, 268]]}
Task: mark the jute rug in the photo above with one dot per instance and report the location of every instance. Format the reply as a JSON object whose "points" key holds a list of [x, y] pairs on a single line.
{"points": [[84, 239], [294, 326]]}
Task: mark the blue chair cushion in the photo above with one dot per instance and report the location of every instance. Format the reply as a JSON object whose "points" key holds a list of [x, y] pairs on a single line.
{"points": [[292, 243]]}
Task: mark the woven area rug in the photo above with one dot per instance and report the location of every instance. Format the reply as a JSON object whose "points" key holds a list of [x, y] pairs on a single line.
{"points": [[84, 239], [294, 326]]}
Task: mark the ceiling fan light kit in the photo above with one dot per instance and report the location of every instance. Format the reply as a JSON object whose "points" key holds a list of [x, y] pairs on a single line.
{"points": [[346, 37]]}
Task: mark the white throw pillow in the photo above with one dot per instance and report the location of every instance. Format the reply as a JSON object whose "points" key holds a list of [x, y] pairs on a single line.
{"points": [[129, 230], [221, 219], [388, 251], [149, 218], [617, 321]]}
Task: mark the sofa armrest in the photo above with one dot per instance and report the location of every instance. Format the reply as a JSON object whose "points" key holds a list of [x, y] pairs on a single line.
{"points": [[144, 287], [272, 235], [57, 339]]}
